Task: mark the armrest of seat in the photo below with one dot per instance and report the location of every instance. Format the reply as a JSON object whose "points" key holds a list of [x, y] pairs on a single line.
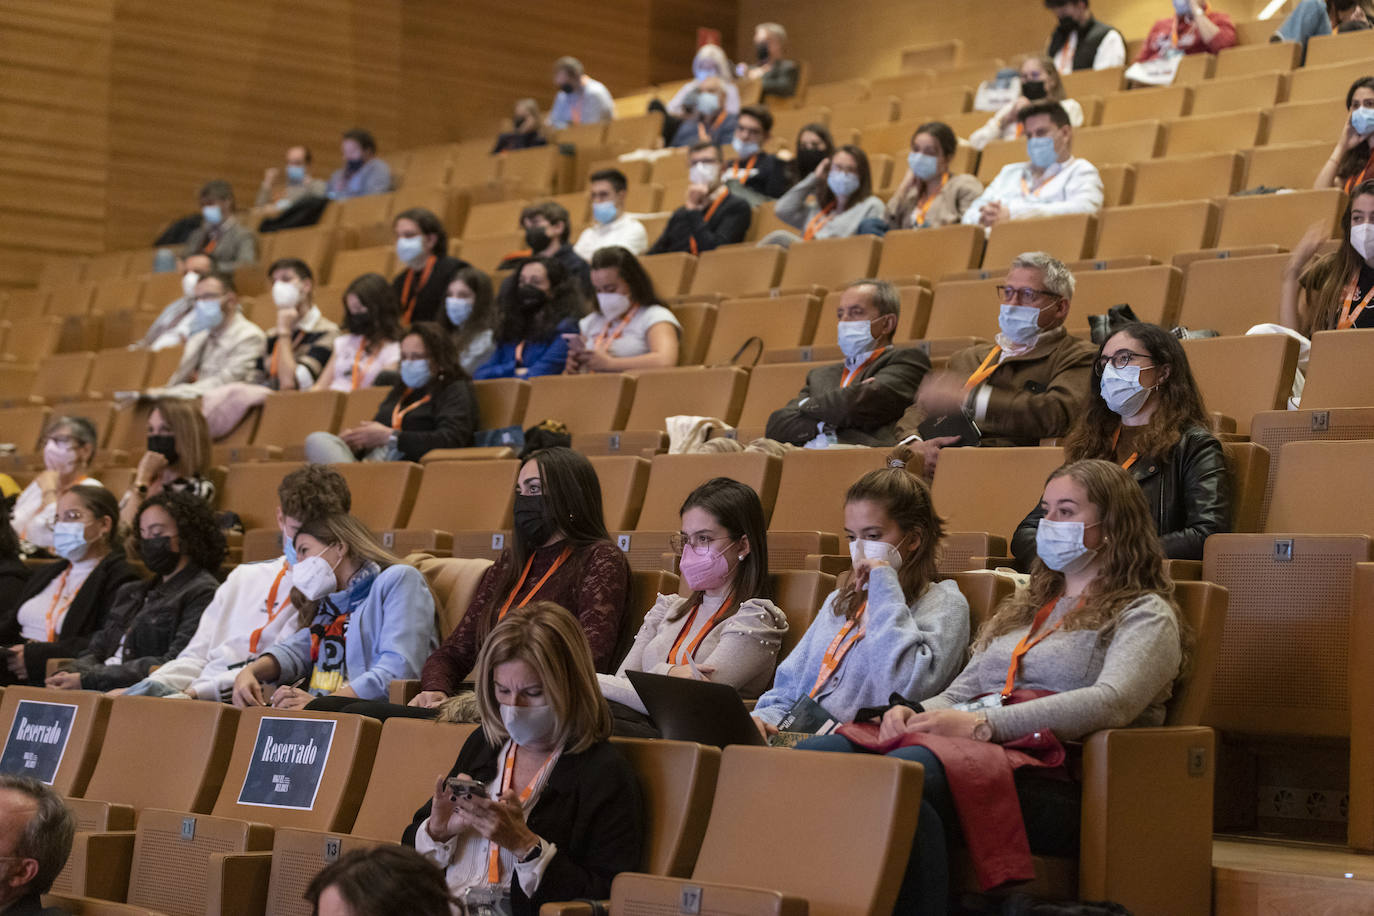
{"points": [[1147, 819], [94, 815], [633, 892], [1184, 570], [237, 883], [832, 563], [402, 691], [572, 908], [405, 541], [789, 549], [99, 865], [965, 550]]}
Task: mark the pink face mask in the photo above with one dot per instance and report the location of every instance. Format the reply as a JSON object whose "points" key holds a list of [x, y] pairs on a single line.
{"points": [[704, 569]]}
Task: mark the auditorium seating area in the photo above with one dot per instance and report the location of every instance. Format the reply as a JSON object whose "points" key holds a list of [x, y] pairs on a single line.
{"points": [[1278, 699]]}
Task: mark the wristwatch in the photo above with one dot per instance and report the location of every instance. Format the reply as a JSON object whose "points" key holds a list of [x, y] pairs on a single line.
{"points": [[534, 852], [982, 729]]}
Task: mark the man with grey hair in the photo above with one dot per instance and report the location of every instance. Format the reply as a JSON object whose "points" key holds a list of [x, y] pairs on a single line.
{"points": [[36, 832], [862, 400], [778, 76], [1030, 383], [580, 99]]}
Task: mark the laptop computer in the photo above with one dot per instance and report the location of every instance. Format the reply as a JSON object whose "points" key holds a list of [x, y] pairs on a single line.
{"points": [[690, 710]]}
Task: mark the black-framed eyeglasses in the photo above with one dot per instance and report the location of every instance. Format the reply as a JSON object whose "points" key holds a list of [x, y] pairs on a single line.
{"points": [[695, 541], [1119, 360], [1021, 295]]}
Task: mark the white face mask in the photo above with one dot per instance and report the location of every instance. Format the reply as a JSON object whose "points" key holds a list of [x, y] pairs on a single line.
{"points": [[314, 577], [860, 549], [188, 282], [1122, 391], [855, 337], [704, 173], [1362, 240], [529, 726], [58, 457], [1020, 324], [1060, 546], [286, 294], [613, 305]]}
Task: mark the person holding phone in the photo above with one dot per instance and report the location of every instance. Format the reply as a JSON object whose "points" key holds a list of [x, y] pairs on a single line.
{"points": [[628, 329], [830, 203]]}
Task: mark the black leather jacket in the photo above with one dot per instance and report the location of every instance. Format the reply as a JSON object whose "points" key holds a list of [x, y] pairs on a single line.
{"points": [[1189, 495]]}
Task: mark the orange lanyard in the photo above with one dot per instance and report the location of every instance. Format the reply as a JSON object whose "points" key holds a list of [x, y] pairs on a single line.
{"points": [[562, 558], [922, 209], [1027, 643], [1034, 192], [1063, 61], [398, 414], [1125, 465], [1355, 181], [1348, 319], [210, 245], [851, 374], [356, 379], [406, 298], [691, 651], [606, 334], [507, 777], [704, 133], [988, 367], [748, 167], [836, 652], [276, 349], [53, 610], [576, 111], [1173, 32], [817, 222], [1020, 129], [710, 212], [271, 614]]}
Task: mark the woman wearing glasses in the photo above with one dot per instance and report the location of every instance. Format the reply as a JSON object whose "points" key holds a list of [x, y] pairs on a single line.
{"points": [[727, 630], [1145, 413], [68, 449]]}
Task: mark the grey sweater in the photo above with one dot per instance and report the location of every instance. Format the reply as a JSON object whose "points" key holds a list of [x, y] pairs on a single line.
{"points": [[1099, 684], [795, 209]]}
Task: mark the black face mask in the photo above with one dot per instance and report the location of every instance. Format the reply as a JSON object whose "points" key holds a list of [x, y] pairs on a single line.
{"points": [[1067, 24], [808, 159], [1033, 89], [537, 238], [531, 522], [358, 323], [761, 51], [531, 298], [158, 555], [1352, 25], [166, 446], [567, 88]]}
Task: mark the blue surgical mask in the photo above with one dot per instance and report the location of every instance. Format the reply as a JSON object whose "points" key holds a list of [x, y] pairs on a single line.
{"points": [[603, 211], [1122, 391], [855, 337], [1060, 546], [1183, 7], [212, 214], [288, 549], [409, 249], [415, 372], [923, 165], [1020, 324], [209, 312], [744, 148], [843, 184], [707, 104], [1362, 121], [702, 72], [1041, 152], [69, 540], [295, 174], [458, 309]]}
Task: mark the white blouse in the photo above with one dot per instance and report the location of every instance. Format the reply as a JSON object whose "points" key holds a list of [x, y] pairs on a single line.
{"points": [[57, 596], [633, 340]]}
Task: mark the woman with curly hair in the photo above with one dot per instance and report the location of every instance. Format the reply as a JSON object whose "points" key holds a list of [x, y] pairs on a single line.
{"points": [[149, 623]]}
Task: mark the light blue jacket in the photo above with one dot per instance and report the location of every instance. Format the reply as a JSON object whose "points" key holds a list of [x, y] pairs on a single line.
{"points": [[389, 636], [914, 651]]}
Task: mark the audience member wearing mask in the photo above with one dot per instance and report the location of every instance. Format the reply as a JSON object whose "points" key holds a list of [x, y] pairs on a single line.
{"points": [[173, 324], [469, 317], [66, 602], [1350, 164], [303, 339], [778, 76], [862, 400], [1311, 18], [611, 225], [710, 216], [295, 184], [1081, 42], [728, 630], [1040, 82], [223, 347], [750, 172], [177, 459], [363, 172], [580, 99], [1146, 414], [888, 627], [220, 236], [427, 267], [1331, 292], [813, 146], [548, 234], [708, 121], [930, 194], [535, 312], [252, 610], [432, 406], [710, 62], [628, 329], [371, 340], [1030, 384], [1054, 182], [366, 619], [149, 623], [69, 445], [830, 203], [1194, 28], [525, 130]]}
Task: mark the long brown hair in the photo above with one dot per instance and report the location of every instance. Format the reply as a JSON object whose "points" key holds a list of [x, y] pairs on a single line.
{"points": [[907, 501], [1130, 561], [355, 537], [1327, 278], [1180, 403], [1354, 160], [191, 433], [737, 509]]}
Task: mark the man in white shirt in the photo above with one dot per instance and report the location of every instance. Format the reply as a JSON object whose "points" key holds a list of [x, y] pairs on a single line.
{"points": [[1081, 42], [580, 99], [611, 225], [223, 346], [1054, 182], [252, 610]]}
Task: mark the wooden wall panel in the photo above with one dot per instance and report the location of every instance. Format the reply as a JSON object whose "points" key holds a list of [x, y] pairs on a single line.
{"points": [[673, 31]]}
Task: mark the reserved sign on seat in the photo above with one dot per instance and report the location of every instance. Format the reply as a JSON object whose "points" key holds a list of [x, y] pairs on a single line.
{"points": [[288, 763], [38, 739]]}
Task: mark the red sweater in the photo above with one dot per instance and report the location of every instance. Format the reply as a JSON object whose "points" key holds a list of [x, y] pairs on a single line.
{"points": [[1189, 42]]}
